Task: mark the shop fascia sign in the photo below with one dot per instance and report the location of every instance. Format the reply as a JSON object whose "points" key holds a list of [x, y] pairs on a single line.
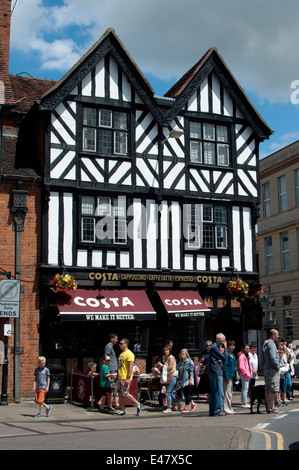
{"points": [[161, 277]]}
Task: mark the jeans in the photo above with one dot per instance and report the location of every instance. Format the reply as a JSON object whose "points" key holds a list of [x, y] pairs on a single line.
{"points": [[169, 392], [216, 394], [244, 393], [289, 385]]}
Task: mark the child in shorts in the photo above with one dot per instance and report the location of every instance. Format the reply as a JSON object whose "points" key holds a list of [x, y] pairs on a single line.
{"points": [[106, 390], [41, 386]]}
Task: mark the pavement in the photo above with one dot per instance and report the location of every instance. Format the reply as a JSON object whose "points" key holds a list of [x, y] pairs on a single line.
{"points": [[228, 432]]}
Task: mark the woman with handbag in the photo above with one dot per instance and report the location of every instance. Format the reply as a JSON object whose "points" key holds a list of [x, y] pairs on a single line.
{"points": [[169, 376]]}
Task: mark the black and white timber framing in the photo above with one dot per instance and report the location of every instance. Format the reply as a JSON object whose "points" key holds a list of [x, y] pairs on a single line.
{"points": [[153, 170]]}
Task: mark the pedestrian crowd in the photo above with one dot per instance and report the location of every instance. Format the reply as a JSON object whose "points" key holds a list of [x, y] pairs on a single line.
{"points": [[219, 370]]}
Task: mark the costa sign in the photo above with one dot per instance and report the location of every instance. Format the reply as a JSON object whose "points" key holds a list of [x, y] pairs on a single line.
{"points": [[186, 302], [111, 302], [105, 304], [181, 304]]}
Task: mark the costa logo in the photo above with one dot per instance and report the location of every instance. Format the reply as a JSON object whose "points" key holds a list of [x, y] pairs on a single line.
{"points": [[178, 302], [104, 302]]}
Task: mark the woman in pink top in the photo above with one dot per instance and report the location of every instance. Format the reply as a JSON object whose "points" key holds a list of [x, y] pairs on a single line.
{"points": [[245, 373]]}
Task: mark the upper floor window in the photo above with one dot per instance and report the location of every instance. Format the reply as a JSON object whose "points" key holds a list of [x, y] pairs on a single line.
{"points": [[266, 200], [194, 224], [214, 227], [297, 186], [103, 220], [282, 193], [285, 253], [209, 144], [269, 255], [105, 131]]}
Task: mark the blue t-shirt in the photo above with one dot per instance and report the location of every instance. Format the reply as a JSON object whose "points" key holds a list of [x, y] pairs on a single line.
{"points": [[41, 377]]}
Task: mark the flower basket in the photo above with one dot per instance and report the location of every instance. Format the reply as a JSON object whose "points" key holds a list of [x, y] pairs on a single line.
{"points": [[63, 283], [238, 288], [258, 293]]}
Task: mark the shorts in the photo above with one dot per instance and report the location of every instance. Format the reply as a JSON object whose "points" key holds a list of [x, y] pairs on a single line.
{"points": [[105, 391], [272, 380], [122, 387], [40, 396]]}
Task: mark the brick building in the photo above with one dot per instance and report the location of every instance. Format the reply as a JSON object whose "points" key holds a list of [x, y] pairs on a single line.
{"points": [[20, 208]]}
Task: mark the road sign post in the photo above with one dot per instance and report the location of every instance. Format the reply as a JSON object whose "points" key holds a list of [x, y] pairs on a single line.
{"points": [[9, 308]]}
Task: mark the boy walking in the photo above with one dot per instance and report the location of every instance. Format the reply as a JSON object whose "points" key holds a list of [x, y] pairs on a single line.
{"points": [[41, 386]]}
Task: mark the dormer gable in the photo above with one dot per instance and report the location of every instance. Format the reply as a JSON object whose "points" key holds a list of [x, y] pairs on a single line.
{"points": [[83, 75], [198, 80]]}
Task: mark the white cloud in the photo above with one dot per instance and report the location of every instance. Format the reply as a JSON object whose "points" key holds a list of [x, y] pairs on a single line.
{"points": [[258, 40]]}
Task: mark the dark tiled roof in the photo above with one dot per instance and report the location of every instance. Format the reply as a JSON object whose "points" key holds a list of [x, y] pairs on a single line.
{"points": [[27, 90], [8, 160], [179, 86], [23, 93]]}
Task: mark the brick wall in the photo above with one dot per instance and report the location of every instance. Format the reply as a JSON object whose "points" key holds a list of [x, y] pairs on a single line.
{"points": [[5, 16], [29, 305]]}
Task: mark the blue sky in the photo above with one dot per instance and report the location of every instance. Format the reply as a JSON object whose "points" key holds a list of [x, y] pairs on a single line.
{"points": [[258, 40]]}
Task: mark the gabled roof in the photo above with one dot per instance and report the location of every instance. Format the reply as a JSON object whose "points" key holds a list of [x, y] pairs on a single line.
{"points": [[108, 43], [179, 93], [191, 80]]}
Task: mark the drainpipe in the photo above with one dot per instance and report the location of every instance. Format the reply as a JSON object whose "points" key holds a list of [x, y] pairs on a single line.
{"points": [[19, 209]]}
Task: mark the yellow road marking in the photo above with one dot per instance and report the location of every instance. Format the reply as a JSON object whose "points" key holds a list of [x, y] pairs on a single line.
{"points": [[266, 434]]}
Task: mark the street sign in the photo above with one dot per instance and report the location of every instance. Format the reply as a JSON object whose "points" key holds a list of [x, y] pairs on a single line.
{"points": [[7, 329], [9, 299]]}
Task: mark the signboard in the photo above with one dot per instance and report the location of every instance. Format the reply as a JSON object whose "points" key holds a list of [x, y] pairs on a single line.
{"points": [[183, 304], [161, 277], [9, 299], [98, 305]]}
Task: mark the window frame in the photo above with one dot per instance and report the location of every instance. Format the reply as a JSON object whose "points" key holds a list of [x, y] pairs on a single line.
{"points": [[285, 253], [266, 200], [112, 217], [211, 228], [111, 137], [282, 194], [209, 144]]}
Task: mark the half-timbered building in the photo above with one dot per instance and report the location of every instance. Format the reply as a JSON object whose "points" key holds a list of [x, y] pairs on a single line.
{"points": [[150, 203]]}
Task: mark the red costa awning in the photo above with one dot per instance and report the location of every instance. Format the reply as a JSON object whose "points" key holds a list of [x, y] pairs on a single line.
{"points": [[183, 304], [99, 305]]}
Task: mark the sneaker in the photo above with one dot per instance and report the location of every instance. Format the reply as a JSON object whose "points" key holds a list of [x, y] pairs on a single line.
{"points": [[168, 410], [278, 403], [48, 410], [139, 408], [193, 406], [285, 403], [185, 410], [276, 410], [121, 413], [39, 415], [245, 406]]}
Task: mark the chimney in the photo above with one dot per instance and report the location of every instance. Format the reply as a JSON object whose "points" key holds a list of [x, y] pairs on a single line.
{"points": [[5, 16], [5, 19]]}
